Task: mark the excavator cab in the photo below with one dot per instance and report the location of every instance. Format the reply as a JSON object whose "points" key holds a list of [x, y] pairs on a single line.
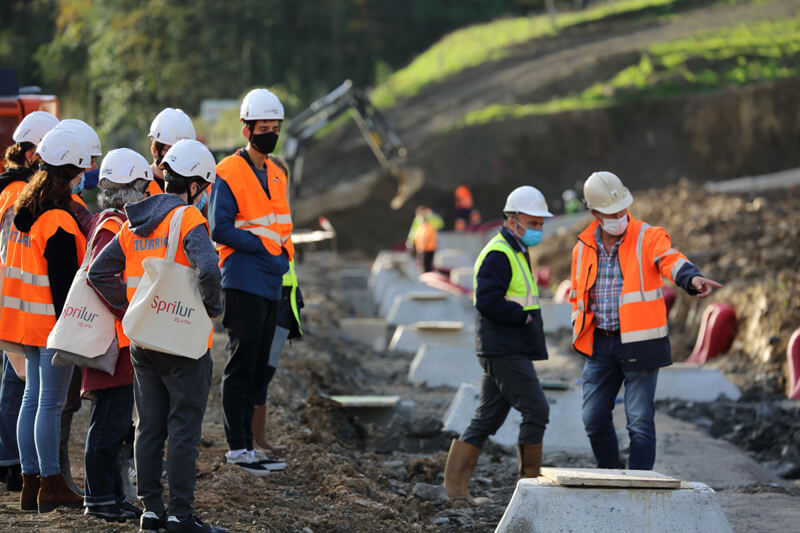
{"points": [[382, 140]]}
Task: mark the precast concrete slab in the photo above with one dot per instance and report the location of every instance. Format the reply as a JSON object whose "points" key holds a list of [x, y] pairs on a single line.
{"points": [[463, 277], [398, 288], [428, 305], [450, 258], [564, 433], [409, 337], [691, 382], [377, 410], [555, 316], [540, 505], [437, 365], [370, 331]]}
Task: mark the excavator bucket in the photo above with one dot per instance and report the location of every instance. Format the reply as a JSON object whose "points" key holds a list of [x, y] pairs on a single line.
{"points": [[409, 181]]}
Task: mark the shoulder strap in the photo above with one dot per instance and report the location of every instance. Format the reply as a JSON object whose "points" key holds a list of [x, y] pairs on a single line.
{"points": [[174, 236], [87, 257]]}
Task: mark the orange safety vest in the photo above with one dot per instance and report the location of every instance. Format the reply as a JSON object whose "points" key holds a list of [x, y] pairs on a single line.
{"points": [[78, 198], [154, 188], [425, 238], [113, 226], [137, 249], [7, 199], [645, 257], [267, 217], [28, 314]]}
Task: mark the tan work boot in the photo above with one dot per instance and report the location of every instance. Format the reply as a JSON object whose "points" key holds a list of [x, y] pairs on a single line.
{"points": [[30, 491], [54, 492], [461, 462], [529, 458]]}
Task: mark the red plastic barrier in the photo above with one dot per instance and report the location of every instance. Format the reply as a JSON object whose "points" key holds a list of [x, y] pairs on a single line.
{"points": [[561, 294], [717, 329], [669, 297], [793, 355], [440, 281], [544, 276]]}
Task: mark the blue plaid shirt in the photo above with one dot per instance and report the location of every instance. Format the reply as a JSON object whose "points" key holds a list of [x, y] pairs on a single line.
{"points": [[604, 294]]}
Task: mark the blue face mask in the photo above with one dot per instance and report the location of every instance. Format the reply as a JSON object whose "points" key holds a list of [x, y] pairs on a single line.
{"points": [[202, 203], [532, 237], [79, 187]]}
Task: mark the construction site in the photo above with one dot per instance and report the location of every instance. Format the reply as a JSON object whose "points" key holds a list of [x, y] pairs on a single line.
{"points": [[385, 375]]}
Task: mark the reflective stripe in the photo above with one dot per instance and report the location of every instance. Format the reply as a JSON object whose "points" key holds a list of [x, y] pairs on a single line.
{"points": [[647, 296], [285, 239], [575, 316], [34, 308], [266, 220], [581, 306], [31, 279], [266, 233], [639, 243], [523, 301], [677, 267], [644, 335], [133, 281], [530, 300], [662, 256], [581, 246], [284, 219], [573, 293]]}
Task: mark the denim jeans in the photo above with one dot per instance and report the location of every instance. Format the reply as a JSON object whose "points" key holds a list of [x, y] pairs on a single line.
{"points": [[39, 424], [109, 425], [603, 375], [11, 389]]}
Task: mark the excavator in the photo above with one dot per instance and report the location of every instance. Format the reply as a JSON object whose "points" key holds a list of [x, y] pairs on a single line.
{"points": [[382, 140]]}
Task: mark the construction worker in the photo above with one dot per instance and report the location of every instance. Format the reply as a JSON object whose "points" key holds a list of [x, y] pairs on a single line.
{"points": [[170, 392], [466, 214], [571, 202], [619, 317], [170, 126], [20, 160], [252, 225], [509, 336], [419, 216], [425, 238], [45, 248]]}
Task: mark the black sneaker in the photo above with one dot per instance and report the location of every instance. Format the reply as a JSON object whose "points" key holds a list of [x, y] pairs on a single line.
{"points": [[150, 522], [248, 463], [270, 463], [110, 512], [128, 507], [191, 524]]}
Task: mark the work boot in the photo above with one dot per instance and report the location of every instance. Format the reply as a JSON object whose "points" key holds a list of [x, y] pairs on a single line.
{"points": [[29, 493], [55, 492], [461, 462], [14, 478], [66, 470], [529, 459]]}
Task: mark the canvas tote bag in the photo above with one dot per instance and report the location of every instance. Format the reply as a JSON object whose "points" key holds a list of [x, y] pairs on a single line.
{"points": [[166, 313], [85, 333]]}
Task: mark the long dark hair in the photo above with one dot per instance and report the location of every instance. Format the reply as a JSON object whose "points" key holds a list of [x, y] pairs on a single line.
{"points": [[49, 188], [15, 154]]}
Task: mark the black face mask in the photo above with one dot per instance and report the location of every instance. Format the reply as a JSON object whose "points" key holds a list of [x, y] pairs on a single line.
{"points": [[264, 142]]}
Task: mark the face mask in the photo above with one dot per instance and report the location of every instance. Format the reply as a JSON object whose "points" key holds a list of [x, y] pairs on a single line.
{"points": [[264, 142], [79, 187], [615, 226], [531, 237], [202, 202]]}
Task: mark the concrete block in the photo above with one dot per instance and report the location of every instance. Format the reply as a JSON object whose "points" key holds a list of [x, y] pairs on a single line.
{"points": [[371, 331], [687, 381], [564, 433], [378, 410], [409, 337], [555, 316], [397, 288], [436, 365], [450, 258], [542, 506], [462, 276], [429, 305]]}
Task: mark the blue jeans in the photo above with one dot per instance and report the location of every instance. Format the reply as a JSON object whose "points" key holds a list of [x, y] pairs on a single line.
{"points": [[11, 389], [39, 424], [603, 375]]}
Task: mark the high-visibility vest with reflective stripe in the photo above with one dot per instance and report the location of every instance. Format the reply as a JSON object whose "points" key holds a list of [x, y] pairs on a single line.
{"points": [[114, 227], [154, 188], [290, 280], [646, 257], [78, 198], [522, 288], [137, 248], [28, 313], [266, 217], [7, 199]]}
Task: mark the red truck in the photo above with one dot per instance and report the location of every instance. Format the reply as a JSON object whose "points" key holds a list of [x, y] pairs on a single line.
{"points": [[16, 102]]}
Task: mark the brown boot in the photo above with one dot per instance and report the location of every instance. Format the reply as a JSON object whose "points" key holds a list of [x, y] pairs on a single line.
{"points": [[30, 491], [529, 458], [461, 463], [55, 492]]}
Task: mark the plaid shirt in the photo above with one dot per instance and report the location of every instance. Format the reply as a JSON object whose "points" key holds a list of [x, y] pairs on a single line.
{"points": [[604, 294]]}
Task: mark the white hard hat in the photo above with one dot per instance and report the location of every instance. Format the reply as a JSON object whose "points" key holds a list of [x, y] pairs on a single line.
{"points": [[171, 125], [190, 158], [33, 127], [528, 200], [64, 147], [85, 131], [261, 104], [604, 192], [124, 165]]}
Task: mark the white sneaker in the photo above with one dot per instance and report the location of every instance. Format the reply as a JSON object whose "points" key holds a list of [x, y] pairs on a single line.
{"points": [[248, 463], [268, 462]]}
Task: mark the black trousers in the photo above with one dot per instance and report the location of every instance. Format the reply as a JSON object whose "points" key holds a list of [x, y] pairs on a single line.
{"points": [[250, 321], [509, 381]]}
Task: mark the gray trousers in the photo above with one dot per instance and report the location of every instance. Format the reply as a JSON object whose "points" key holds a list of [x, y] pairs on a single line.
{"points": [[508, 381], [170, 394]]}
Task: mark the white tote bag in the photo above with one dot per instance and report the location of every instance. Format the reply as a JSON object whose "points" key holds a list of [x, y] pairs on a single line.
{"points": [[166, 313], [85, 329]]}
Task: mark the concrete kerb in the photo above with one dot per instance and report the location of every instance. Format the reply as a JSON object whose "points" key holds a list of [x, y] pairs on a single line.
{"points": [[539, 505], [370, 331], [436, 365], [691, 382], [412, 307], [410, 337], [397, 289], [450, 258], [463, 277]]}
